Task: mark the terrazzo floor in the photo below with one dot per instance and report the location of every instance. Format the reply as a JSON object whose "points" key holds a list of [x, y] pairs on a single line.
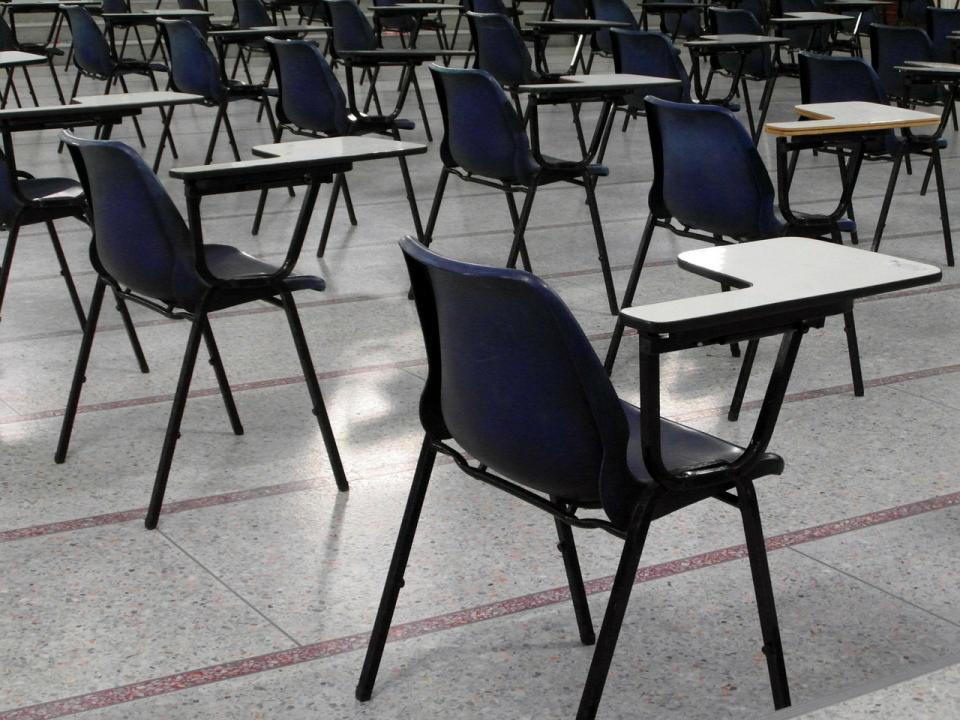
{"points": [[254, 596]]}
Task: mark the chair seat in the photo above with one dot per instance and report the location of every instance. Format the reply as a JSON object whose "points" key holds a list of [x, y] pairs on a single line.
{"points": [[129, 65], [844, 224], [682, 447], [566, 169], [377, 124], [51, 191]]}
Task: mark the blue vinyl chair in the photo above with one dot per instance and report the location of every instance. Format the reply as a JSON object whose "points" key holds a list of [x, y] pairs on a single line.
{"points": [[93, 58], [613, 11], [802, 37], [406, 25], [144, 251], [913, 12], [484, 142], [352, 31], [195, 69], [311, 103], [132, 22], [251, 13], [838, 79], [640, 52], [941, 22], [9, 41], [710, 184], [891, 46], [559, 439], [685, 24]]}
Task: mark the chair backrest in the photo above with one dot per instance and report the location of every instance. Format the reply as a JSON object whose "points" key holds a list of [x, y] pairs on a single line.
{"points": [[310, 95], [500, 49], [252, 13], [91, 53], [838, 78], [487, 7], [941, 22], [114, 6], [757, 8], [401, 23], [914, 11], [707, 173], [759, 62], [314, 11], [193, 66], [614, 11], [351, 29], [10, 197], [513, 379], [140, 238], [568, 9], [891, 46], [685, 24], [639, 52], [8, 41], [201, 22], [482, 133]]}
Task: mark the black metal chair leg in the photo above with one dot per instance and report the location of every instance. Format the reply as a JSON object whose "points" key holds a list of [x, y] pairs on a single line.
{"points": [[578, 594], [588, 182], [310, 375], [423, 109], [230, 136], [56, 80], [217, 362], [515, 220], [258, 216], [80, 371], [398, 565], [136, 123], [8, 259], [766, 607], [944, 213], [888, 198], [853, 349], [411, 197], [842, 163], [131, 332], [746, 367], [348, 201], [328, 218], [616, 609], [221, 110], [734, 347], [65, 273], [926, 177], [630, 292], [519, 246], [435, 207], [176, 416]]}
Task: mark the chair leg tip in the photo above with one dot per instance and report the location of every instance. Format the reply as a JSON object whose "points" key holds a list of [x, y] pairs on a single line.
{"points": [[362, 694]]}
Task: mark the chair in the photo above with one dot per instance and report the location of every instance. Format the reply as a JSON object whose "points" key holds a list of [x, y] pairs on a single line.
{"points": [[710, 184], [203, 23], [838, 79], [311, 103], [941, 22], [759, 64], [122, 7], [892, 46], [351, 32], [408, 26], [484, 142], [194, 69], [145, 252], [613, 11], [803, 38], [913, 12], [9, 41], [677, 24], [560, 439], [640, 52], [93, 58], [251, 13]]}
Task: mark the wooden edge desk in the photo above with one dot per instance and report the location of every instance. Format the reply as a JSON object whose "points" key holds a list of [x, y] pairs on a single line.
{"points": [[307, 162], [788, 285], [742, 45], [858, 120]]}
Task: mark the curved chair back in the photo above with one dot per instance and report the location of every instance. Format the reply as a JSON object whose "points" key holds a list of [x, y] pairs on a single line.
{"points": [[313, 11], [725, 21], [252, 13], [91, 53], [487, 7], [757, 8], [640, 52], [482, 133], [114, 6], [568, 9], [193, 67], [614, 11], [10, 197], [202, 22], [140, 238], [685, 24], [310, 95], [500, 49], [914, 11], [8, 41], [399, 23], [351, 29], [800, 37], [891, 46], [513, 379], [941, 22], [707, 173], [837, 78]]}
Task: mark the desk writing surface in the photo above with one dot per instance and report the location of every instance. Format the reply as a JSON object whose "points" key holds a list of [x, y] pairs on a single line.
{"points": [[735, 40], [177, 13], [16, 58], [576, 24], [671, 7], [934, 69], [401, 8], [777, 276], [842, 117], [599, 82], [819, 16], [352, 148], [265, 30], [137, 99]]}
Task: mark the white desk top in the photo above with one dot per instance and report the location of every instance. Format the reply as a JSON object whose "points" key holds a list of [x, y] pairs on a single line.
{"points": [[15, 58], [777, 276], [138, 99], [356, 147], [597, 82], [843, 117]]}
